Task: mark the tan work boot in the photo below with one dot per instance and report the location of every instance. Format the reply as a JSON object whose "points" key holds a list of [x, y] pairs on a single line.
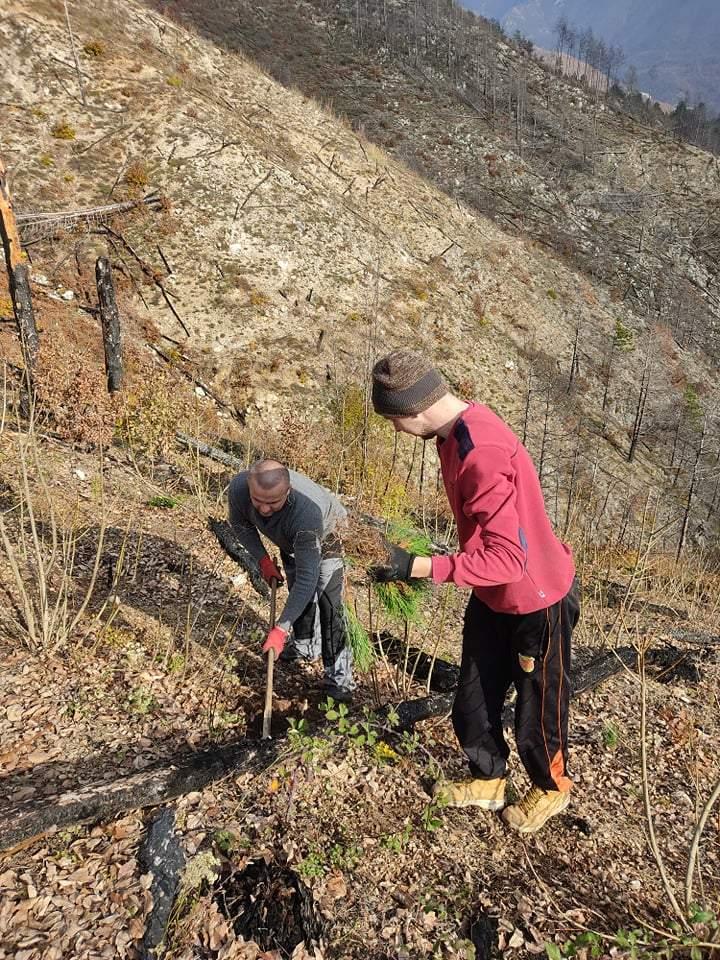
{"points": [[535, 809], [488, 794]]}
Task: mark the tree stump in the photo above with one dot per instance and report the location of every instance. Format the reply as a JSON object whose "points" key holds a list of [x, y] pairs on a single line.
{"points": [[110, 318]]}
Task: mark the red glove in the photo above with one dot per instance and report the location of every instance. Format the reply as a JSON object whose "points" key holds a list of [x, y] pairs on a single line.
{"points": [[275, 641], [269, 570]]}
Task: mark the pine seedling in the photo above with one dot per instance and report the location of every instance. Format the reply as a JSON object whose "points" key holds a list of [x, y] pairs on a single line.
{"points": [[402, 602], [409, 538], [362, 649]]}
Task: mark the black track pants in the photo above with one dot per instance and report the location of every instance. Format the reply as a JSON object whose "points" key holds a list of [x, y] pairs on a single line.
{"points": [[529, 650]]}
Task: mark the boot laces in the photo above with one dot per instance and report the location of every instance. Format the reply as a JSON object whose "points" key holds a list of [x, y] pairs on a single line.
{"points": [[533, 796]]}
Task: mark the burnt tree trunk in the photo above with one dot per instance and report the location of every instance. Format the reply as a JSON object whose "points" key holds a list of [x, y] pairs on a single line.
{"points": [[236, 551], [691, 492], [8, 224], [19, 283], [574, 363], [161, 855], [639, 413], [544, 441], [528, 398], [110, 324], [151, 787], [25, 317]]}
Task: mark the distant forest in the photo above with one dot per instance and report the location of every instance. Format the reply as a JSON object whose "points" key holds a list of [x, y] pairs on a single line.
{"points": [[599, 65], [450, 35]]}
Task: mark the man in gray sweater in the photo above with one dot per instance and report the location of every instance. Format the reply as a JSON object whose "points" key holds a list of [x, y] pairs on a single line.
{"points": [[301, 518]]}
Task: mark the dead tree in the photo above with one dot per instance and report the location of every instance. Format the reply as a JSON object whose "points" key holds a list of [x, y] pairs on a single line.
{"points": [[574, 363], [640, 408], [528, 398], [573, 478], [19, 281], [78, 71], [713, 501], [691, 490], [110, 324], [608, 372], [545, 432]]}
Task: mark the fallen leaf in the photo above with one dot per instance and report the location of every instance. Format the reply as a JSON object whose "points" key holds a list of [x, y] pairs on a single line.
{"points": [[516, 940], [336, 887], [41, 756]]}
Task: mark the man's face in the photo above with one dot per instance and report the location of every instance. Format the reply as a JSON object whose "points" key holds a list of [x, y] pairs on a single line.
{"points": [[267, 502], [416, 426]]}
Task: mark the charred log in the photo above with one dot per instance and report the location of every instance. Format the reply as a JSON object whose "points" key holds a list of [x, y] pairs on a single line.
{"points": [[161, 855]]}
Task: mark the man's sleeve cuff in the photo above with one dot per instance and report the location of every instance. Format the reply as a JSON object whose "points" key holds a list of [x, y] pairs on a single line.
{"points": [[442, 568]]}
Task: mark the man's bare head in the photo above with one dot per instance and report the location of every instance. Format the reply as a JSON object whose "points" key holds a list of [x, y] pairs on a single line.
{"points": [[269, 484]]}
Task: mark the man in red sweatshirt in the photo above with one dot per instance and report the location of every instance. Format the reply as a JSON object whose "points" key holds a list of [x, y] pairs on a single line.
{"points": [[524, 604]]}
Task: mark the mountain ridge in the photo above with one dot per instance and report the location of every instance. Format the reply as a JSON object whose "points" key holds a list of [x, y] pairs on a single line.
{"points": [[673, 47]]}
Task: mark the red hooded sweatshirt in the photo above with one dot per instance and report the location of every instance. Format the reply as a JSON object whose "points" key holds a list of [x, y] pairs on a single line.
{"points": [[509, 555]]}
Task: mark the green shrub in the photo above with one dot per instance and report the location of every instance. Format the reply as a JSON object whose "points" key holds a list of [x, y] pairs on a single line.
{"points": [[150, 416], [163, 501], [624, 338], [63, 131], [313, 866], [403, 602], [94, 48], [693, 406], [405, 535], [610, 736], [643, 943], [225, 841], [141, 701]]}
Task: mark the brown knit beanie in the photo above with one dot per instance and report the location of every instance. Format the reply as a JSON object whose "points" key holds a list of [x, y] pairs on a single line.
{"points": [[405, 383]]}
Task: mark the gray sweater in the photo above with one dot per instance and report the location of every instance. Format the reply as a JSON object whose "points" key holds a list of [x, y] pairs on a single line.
{"points": [[311, 513]]}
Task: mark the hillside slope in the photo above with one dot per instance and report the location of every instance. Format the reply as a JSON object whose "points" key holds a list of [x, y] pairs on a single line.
{"points": [[297, 245]]}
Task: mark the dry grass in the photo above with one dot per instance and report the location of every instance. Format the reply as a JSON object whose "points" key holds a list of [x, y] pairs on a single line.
{"points": [[364, 542], [72, 394], [48, 588]]}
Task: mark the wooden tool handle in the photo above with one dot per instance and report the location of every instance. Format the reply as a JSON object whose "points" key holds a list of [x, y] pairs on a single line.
{"points": [[267, 713]]}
